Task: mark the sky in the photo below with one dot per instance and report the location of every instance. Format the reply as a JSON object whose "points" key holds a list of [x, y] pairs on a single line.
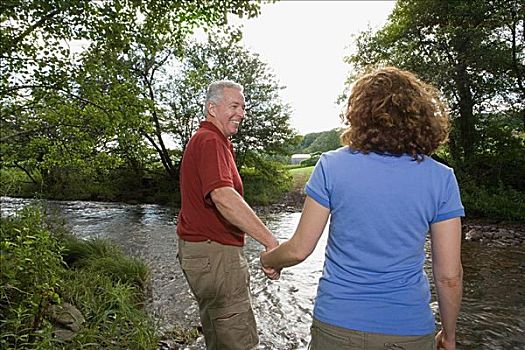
{"points": [[305, 42]]}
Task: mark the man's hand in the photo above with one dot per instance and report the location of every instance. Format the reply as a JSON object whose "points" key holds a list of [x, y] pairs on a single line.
{"points": [[270, 272]]}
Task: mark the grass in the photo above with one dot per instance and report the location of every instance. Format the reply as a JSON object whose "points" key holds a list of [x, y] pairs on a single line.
{"points": [[42, 265], [300, 176]]}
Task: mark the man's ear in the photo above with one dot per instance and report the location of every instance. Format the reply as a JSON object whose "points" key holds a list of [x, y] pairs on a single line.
{"points": [[211, 108]]}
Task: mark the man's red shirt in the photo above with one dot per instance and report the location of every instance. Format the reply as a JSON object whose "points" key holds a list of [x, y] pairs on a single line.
{"points": [[208, 163]]}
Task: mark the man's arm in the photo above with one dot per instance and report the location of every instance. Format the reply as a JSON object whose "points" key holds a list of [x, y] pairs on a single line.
{"points": [[235, 209], [448, 277]]}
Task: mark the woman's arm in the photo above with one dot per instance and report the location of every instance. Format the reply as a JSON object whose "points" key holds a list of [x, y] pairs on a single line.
{"points": [[302, 244], [448, 277]]}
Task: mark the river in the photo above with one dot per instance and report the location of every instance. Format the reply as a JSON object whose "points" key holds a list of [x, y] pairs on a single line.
{"points": [[493, 309]]}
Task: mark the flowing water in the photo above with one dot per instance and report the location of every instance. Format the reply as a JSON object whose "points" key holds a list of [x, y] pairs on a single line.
{"points": [[493, 309]]}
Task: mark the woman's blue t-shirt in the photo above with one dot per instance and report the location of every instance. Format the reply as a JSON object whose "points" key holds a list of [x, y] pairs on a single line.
{"points": [[381, 209]]}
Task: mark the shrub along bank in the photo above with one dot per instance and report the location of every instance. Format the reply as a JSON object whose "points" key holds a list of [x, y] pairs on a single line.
{"points": [[57, 291], [264, 183]]}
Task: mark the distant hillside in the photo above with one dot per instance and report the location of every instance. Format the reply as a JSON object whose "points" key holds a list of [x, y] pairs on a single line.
{"points": [[320, 141]]}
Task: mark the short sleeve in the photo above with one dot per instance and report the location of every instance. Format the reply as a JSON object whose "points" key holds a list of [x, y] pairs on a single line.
{"points": [[450, 204], [317, 185], [213, 165]]}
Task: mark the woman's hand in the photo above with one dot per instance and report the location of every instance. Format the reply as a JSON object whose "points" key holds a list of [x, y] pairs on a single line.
{"points": [[443, 343]]}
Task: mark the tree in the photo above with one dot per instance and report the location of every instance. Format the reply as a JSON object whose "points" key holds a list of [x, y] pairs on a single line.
{"points": [[319, 142], [473, 51], [305, 142], [265, 129], [97, 104], [326, 141]]}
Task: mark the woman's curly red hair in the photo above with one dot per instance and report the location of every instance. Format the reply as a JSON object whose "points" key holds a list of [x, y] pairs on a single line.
{"points": [[390, 110]]}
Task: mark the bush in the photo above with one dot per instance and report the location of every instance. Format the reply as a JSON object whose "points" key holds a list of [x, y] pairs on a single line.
{"points": [[101, 256], [74, 183], [312, 160], [111, 309], [14, 182], [41, 267], [30, 278], [265, 182], [501, 203]]}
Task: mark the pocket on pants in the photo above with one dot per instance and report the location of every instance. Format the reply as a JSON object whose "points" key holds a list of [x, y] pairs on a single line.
{"points": [[425, 342], [235, 327], [199, 276], [237, 280]]}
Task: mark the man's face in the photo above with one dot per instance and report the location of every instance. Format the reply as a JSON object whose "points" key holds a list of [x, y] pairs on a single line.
{"points": [[229, 112]]}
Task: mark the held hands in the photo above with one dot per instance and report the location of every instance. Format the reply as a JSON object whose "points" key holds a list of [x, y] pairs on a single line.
{"points": [[443, 343], [270, 272]]}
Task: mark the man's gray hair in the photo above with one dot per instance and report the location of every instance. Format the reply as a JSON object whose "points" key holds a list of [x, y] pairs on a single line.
{"points": [[215, 89]]}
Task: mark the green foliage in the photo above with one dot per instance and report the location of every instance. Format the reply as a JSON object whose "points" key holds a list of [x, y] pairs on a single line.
{"points": [[265, 130], [68, 183], [320, 141], [78, 253], [500, 156], [79, 84], [300, 176], [112, 311], [264, 181], [101, 257], [474, 52], [30, 279], [43, 265], [14, 182], [306, 141], [503, 203], [312, 160], [326, 141]]}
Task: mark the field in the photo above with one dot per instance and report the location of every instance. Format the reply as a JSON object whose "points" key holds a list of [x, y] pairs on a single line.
{"points": [[300, 176]]}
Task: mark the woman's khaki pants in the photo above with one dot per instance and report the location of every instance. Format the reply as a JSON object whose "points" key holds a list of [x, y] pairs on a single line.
{"points": [[325, 336]]}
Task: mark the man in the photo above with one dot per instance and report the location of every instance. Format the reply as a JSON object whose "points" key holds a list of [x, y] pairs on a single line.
{"points": [[213, 221]]}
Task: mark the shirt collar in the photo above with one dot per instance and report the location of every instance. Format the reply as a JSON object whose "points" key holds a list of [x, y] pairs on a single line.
{"points": [[210, 126]]}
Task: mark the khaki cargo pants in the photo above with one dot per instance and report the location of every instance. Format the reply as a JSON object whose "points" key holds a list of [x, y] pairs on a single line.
{"points": [[328, 337], [220, 281]]}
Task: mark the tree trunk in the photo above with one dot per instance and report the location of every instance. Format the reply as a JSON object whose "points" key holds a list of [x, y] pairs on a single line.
{"points": [[467, 141]]}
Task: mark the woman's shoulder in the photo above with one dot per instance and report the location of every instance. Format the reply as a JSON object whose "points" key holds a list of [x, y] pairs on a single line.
{"points": [[340, 155], [438, 168], [437, 164], [343, 151]]}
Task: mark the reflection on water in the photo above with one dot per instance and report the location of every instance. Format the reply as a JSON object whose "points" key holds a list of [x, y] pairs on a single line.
{"points": [[492, 316], [493, 309]]}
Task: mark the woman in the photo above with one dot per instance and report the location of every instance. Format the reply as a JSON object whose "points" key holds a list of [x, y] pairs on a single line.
{"points": [[383, 194]]}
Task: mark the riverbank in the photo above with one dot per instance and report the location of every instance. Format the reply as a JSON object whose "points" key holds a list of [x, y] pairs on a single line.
{"points": [[493, 233], [58, 291], [493, 299]]}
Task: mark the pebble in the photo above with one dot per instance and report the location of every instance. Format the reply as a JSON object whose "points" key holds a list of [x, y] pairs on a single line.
{"points": [[491, 233]]}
